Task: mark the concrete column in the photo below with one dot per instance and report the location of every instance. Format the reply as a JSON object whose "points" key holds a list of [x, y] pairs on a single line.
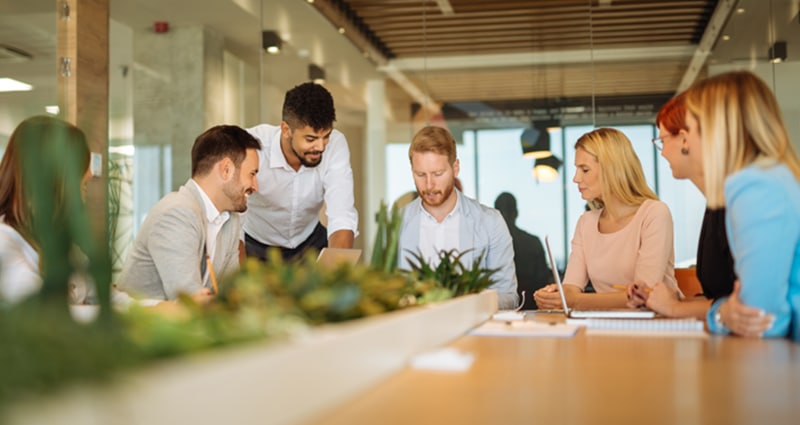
{"points": [[374, 161], [178, 81]]}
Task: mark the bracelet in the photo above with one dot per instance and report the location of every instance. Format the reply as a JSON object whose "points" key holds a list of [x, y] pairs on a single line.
{"points": [[718, 319]]}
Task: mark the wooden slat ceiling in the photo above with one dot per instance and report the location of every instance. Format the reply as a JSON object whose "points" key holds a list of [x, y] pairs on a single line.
{"points": [[412, 29]]}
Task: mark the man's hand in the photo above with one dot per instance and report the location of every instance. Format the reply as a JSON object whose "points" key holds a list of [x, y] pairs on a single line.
{"points": [[203, 296]]}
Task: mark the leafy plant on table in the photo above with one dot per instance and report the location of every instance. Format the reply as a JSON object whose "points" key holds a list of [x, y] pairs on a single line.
{"points": [[451, 275], [309, 293]]}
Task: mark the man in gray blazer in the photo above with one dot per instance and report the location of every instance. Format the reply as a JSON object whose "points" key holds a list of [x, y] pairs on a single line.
{"points": [[192, 236], [442, 218]]}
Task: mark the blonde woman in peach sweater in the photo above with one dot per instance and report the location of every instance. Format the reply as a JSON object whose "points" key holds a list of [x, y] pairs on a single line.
{"points": [[626, 238]]}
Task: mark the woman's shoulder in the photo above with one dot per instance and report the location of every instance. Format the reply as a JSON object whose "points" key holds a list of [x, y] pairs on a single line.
{"points": [[654, 207], [12, 242], [590, 217], [9, 235], [762, 172]]}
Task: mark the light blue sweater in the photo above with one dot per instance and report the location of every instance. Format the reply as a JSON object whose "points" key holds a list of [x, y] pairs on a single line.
{"points": [[763, 226]]}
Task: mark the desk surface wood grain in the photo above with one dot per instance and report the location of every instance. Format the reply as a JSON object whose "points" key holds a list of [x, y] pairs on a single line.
{"points": [[593, 379]]}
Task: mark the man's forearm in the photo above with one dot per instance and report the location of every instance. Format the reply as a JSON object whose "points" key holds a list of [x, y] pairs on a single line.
{"points": [[341, 239]]}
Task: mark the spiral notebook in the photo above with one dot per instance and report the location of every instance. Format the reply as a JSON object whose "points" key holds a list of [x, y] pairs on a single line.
{"points": [[637, 327]]}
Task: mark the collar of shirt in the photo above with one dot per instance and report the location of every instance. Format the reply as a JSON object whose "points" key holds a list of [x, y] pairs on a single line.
{"points": [[435, 237], [276, 157], [213, 215], [214, 223], [453, 213]]}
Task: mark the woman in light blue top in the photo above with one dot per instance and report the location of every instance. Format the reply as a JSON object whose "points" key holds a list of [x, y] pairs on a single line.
{"points": [[737, 138]]}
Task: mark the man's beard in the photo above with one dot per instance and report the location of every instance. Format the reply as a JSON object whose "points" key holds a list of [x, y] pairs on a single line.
{"points": [[306, 163], [445, 195], [236, 196]]}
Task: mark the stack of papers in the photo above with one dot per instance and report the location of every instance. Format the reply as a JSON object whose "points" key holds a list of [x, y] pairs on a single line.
{"points": [[525, 328]]}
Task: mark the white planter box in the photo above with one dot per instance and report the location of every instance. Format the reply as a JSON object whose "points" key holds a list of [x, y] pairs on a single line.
{"points": [[278, 383]]}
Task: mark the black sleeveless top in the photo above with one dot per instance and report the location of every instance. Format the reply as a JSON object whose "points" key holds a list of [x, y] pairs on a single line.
{"points": [[714, 259]]}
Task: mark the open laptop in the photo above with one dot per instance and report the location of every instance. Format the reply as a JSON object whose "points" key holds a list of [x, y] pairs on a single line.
{"points": [[333, 257], [619, 313]]}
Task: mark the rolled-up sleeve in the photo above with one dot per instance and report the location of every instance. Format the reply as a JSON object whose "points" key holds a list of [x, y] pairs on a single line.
{"points": [[338, 187]]}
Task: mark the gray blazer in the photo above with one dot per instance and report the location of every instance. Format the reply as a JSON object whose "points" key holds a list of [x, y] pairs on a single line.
{"points": [[481, 229], [168, 256]]}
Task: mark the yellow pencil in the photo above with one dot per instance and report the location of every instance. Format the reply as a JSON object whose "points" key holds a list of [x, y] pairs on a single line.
{"points": [[625, 287], [212, 275]]}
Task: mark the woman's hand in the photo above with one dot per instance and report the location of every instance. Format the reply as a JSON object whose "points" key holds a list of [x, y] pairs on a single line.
{"points": [[547, 298], [638, 292], [662, 299], [637, 295], [741, 319]]}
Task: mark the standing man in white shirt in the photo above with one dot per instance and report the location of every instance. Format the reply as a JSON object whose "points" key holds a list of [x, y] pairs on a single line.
{"points": [[304, 163]]}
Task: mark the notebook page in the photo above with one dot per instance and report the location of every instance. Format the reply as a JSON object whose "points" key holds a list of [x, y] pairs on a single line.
{"points": [[642, 327]]}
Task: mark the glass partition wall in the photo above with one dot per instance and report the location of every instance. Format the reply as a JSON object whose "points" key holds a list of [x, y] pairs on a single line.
{"points": [[179, 67]]}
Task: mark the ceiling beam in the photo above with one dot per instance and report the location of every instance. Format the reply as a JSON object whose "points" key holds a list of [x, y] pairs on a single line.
{"points": [[539, 58], [363, 41], [707, 41]]}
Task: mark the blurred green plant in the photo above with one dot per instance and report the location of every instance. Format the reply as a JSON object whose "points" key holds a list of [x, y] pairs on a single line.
{"points": [[384, 251], [42, 346]]}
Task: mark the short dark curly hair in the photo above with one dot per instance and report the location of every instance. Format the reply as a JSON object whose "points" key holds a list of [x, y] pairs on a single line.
{"points": [[309, 104]]}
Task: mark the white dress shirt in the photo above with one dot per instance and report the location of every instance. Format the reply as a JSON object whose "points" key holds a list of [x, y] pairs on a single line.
{"points": [[435, 237], [215, 220], [286, 207]]}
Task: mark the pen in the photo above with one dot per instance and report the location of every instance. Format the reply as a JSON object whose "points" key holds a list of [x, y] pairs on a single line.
{"points": [[212, 275]]}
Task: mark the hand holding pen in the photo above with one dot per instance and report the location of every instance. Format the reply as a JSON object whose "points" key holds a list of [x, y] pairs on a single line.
{"points": [[637, 293]]}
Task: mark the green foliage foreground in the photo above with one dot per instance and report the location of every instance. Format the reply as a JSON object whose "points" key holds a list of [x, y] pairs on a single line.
{"points": [[42, 348]]}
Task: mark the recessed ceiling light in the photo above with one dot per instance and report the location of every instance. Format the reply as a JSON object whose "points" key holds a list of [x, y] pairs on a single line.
{"points": [[726, 37], [10, 84], [740, 10], [52, 109], [341, 30]]}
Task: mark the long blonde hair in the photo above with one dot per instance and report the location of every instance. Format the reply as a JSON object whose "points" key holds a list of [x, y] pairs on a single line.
{"points": [[620, 168], [739, 122]]}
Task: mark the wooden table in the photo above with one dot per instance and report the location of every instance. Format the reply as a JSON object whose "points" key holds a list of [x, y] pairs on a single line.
{"points": [[593, 379]]}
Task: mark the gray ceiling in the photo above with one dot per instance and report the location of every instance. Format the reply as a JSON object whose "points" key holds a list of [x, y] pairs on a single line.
{"points": [[482, 50]]}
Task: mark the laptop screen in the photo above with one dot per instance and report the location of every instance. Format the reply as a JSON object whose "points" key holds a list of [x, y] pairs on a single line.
{"points": [[556, 277]]}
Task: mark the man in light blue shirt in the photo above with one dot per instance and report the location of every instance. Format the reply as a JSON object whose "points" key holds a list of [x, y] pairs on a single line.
{"points": [[442, 218]]}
